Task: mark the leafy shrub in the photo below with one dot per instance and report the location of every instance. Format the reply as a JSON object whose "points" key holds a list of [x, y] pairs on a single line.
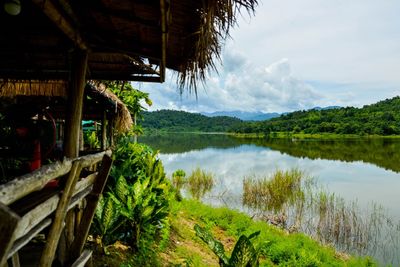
{"points": [[135, 207]]}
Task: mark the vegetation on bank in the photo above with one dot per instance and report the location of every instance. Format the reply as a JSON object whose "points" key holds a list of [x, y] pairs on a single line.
{"points": [[381, 118], [376, 120]]}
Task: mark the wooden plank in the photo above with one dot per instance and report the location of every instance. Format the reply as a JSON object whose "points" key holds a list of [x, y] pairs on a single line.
{"points": [[8, 223], [83, 259], [41, 211], [47, 257], [36, 180], [88, 214], [28, 237]]}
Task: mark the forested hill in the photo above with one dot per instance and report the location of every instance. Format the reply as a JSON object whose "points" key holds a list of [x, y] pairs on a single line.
{"points": [[181, 121], [382, 118]]}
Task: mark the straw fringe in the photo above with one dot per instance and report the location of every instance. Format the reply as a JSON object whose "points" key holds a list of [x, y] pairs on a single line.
{"points": [[33, 88], [58, 88], [217, 17]]}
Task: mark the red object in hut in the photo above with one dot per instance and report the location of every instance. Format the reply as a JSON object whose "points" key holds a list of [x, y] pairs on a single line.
{"points": [[36, 160]]}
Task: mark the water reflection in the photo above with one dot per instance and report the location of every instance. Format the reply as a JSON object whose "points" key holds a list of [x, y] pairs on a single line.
{"points": [[384, 153]]}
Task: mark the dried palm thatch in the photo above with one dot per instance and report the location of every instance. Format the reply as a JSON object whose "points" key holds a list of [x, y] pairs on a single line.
{"points": [[50, 88], [123, 120], [216, 18]]}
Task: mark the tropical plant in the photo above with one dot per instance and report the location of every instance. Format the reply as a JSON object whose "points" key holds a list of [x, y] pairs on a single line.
{"points": [[106, 221], [243, 255], [139, 192]]}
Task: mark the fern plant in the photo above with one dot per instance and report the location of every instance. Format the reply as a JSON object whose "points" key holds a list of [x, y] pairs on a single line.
{"points": [[243, 255]]}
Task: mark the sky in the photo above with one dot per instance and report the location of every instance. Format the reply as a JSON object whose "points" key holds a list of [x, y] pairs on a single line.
{"points": [[299, 54]]}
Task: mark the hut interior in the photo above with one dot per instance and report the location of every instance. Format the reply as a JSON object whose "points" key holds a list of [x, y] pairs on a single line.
{"points": [[49, 49]]}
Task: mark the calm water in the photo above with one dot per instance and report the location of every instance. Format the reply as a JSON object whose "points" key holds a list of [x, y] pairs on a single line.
{"points": [[364, 170]]}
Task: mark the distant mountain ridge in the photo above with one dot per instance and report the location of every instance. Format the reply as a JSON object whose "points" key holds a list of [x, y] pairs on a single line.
{"points": [[258, 115], [243, 115]]}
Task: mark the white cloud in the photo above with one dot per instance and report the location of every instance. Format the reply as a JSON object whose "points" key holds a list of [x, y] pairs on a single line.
{"points": [[242, 86], [300, 54]]}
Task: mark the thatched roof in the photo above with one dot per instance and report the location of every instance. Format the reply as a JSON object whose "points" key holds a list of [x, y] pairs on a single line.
{"points": [[123, 119], [98, 99], [126, 39]]}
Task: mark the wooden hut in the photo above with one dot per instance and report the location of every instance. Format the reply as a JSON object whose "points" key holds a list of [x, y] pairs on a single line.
{"points": [[69, 42]]}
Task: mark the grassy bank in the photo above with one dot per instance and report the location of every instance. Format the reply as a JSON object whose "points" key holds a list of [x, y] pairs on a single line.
{"points": [[278, 247], [184, 248]]}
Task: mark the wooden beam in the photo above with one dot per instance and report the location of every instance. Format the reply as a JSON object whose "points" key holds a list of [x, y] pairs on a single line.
{"points": [[31, 234], [8, 224], [53, 237], [88, 214], [75, 103], [36, 180], [164, 32], [63, 23]]}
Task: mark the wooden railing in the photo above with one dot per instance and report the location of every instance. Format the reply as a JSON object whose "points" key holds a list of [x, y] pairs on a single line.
{"points": [[27, 207]]}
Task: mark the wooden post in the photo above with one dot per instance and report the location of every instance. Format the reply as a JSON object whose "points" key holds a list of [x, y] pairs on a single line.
{"points": [[75, 103], [104, 131], [73, 123], [49, 251], [88, 214]]}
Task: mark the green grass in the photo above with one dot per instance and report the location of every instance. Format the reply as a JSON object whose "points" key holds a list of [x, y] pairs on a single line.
{"points": [[279, 248]]}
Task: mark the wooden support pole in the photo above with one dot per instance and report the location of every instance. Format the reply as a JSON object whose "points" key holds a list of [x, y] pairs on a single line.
{"points": [[49, 251], [88, 214], [164, 32], [75, 103]]}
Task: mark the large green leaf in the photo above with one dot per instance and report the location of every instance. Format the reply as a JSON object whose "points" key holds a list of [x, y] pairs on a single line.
{"points": [[244, 254], [213, 244], [122, 189]]}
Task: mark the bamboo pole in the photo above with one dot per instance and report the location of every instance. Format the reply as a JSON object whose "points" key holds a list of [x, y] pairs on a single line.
{"points": [[49, 251]]}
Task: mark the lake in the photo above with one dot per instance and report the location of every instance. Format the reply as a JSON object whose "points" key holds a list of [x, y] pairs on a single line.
{"points": [[361, 171]]}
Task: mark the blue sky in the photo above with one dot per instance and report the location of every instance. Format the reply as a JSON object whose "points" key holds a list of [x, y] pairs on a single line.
{"points": [[298, 54]]}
